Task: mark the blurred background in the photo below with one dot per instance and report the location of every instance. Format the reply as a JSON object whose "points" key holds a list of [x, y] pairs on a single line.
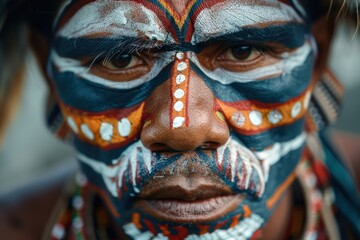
{"points": [[30, 154]]}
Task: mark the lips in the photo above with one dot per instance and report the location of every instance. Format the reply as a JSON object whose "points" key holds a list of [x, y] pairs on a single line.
{"points": [[201, 210], [187, 196]]}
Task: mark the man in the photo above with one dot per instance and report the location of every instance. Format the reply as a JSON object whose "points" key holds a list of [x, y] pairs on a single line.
{"points": [[197, 120]]}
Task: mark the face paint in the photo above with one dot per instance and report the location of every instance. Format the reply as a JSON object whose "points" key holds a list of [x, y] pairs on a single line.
{"points": [[189, 124]]}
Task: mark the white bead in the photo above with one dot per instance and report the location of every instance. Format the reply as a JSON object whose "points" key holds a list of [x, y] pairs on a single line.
{"points": [[87, 131], [78, 202], [124, 127], [58, 231], [178, 122], [181, 66], [179, 93], [106, 131], [180, 78], [255, 118], [77, 223]]}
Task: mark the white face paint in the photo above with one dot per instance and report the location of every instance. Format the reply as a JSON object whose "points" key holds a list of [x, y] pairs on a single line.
{"points": [[251, 161], [76, 67], [113, 19], [227, 19], [284, 65], [113, 175]]}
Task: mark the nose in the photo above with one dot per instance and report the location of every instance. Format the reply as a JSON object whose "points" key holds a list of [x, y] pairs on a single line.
{"points": [[204, 126]]}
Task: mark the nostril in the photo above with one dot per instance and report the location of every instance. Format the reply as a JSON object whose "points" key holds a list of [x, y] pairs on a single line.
{"points": [[160, 147], [210, 145]]}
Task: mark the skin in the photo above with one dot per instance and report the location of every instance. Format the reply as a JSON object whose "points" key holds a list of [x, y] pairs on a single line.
{"points": [[191, 117]]}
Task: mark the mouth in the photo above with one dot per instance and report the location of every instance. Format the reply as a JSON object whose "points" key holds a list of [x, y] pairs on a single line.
{"points": [[191, 199], [202, 210]]}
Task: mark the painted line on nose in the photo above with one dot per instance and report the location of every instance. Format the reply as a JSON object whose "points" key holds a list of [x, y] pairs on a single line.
{"points": [[179, 91]]}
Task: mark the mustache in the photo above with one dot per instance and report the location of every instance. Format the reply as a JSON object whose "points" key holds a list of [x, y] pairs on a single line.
{"points": [[236, 165]]}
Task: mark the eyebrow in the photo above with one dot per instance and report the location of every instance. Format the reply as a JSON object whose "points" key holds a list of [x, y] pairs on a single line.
{"points": [[289, 35]]}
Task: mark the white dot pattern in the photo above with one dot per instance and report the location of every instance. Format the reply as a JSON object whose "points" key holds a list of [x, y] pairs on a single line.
{"points": [[255, 118], [179, 106], [87, 131]]}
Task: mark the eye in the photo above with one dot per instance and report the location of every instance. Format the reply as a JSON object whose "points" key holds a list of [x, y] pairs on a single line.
{"points": [[122, 62], [244, 58], [240, 53], [121, 67]]}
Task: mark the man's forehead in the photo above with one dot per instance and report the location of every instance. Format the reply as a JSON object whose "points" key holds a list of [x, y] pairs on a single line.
{"points": [[180, 5], [170, 20]]}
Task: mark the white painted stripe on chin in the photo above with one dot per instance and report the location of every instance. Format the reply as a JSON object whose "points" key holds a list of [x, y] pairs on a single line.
{"points": [[283, 66], [228, 20], [74, 66]]}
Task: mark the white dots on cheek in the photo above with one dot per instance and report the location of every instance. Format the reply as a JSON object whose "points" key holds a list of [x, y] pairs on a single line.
{"points": [[255, 118], [275, 116], [238, 119], [296, 109], [70, 121], [87, 131], [124, 127], [106, 131]]}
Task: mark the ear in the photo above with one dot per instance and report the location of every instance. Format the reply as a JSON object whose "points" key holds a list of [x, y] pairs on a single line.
{"points": [[323, 31]]}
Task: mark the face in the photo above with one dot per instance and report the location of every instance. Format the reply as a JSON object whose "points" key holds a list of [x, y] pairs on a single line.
{"points": [[188, 116]]}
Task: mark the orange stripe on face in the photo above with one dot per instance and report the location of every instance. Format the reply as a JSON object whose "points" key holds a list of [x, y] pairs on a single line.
{"points": [[179, 91], [280, 190], [248, 118], [102, 130]]}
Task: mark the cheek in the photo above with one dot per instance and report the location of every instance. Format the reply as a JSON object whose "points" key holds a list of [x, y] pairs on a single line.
{"points": [[107, 130], [262, 112]]}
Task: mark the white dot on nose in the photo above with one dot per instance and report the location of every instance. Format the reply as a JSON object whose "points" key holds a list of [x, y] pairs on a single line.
{"points": [[180, 78], [181, 66], [178, 106], [179, 93], [180, 55], [178, 122]]}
